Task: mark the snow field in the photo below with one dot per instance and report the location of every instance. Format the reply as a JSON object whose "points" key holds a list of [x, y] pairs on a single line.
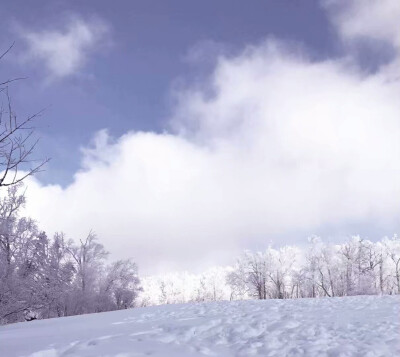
{"points": [[366, 326]]}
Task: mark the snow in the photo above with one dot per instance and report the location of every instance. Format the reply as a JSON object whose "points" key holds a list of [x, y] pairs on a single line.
{"points": [[352, 326]]}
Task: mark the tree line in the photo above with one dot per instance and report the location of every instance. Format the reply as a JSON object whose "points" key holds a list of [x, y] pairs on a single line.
{"points": [[355, 267]]}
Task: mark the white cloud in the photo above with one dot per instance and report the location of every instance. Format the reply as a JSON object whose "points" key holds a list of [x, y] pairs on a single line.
{"points": [[275, 144], [64, 51], [367, 19]]}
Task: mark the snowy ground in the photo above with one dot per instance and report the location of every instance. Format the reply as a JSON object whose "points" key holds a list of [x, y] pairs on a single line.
{"points": [[355, 326]]}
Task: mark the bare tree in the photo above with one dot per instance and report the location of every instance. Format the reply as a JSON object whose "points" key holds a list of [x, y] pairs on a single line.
{"points": [[17, 141]]}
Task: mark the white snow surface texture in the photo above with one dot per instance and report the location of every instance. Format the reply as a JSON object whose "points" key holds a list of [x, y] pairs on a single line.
{"points": [[352, 326]]}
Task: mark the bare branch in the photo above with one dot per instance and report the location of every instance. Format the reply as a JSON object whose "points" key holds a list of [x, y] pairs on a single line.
{"points": [[8, 50]]}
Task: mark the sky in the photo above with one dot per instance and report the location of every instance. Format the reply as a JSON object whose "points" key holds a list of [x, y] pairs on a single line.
{"points": [[184, 132]]}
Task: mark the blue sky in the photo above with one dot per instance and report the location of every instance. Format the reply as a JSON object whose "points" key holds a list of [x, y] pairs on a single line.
{"points": [[183, 132], [126, 81]]}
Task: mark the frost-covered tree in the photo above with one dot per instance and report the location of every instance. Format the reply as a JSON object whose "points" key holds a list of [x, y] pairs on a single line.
{"points": [[251, 274], [121, 284], [281, 268], [264, 275], [43, 277], [184, 287], [88, 256], [357, 266], [392, 247], [22, 252]]}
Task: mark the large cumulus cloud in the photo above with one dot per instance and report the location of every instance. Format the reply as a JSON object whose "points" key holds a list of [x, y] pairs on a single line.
{"points": [[273, 144]]}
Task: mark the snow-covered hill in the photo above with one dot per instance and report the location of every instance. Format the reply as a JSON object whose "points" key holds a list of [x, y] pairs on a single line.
{"points": [[353, 326]]}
